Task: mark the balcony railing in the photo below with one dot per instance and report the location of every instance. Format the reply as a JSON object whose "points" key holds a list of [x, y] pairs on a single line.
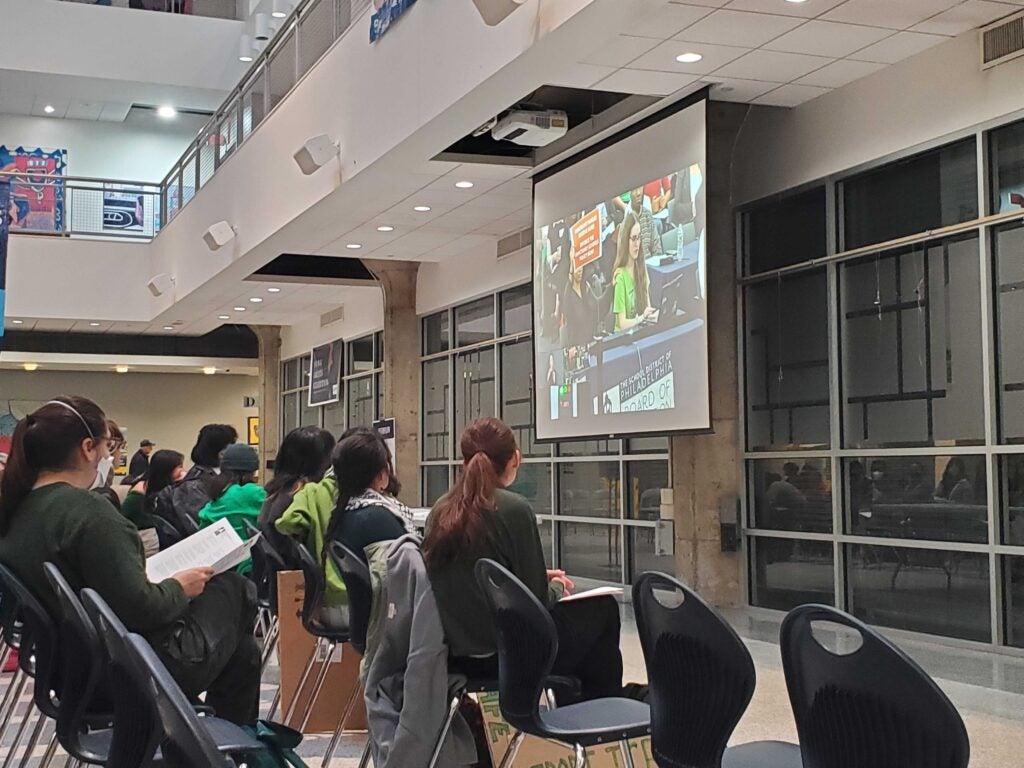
{"points": [[218, 9], [73, 205], [303, 38]]}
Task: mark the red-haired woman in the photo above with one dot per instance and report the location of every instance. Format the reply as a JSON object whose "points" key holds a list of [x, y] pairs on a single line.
{"points": [[480, 518]]}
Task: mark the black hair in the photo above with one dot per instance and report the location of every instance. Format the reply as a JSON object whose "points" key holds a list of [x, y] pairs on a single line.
{"points": [[46, 440], [357, 460], [212, 440], [161, 474], [305, 454]]}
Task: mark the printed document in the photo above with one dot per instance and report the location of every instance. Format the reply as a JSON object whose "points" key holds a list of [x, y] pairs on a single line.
{"points": [[218, 547]]}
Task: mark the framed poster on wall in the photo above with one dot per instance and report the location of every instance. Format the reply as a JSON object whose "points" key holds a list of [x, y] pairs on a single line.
{"points": [[37, 196], [325, 364]]}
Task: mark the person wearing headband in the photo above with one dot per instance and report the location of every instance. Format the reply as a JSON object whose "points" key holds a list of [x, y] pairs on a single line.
{"points": [[200, 626]]}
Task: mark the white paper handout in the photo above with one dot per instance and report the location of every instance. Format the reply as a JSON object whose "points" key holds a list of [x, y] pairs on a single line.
{"points": [[595, 592], [218, 547]]}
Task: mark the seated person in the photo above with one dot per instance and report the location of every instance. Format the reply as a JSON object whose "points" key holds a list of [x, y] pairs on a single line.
{"points": [[479, 518], [199, 625], [631, 303], [579, 311], [235, 494]]}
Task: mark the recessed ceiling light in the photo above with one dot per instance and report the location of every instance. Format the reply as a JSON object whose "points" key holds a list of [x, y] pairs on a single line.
{"points": [[209, 370], [224, 317], [121, 369], [689, 58], [273, 290], [30, 366], [239, 309], [421, 208], [353, 246], [464, 184], [166, 112], [255, 300], [796, 2], [385, 228], [17, 322], [94, 325], [168, 327], [48, 109]]}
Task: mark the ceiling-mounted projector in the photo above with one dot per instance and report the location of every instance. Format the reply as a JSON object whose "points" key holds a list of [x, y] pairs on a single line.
{"points": [[531, 128]]}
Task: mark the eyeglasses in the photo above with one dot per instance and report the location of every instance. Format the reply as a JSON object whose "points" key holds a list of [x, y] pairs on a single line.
{"points": [[115, 445], [634, 239]]}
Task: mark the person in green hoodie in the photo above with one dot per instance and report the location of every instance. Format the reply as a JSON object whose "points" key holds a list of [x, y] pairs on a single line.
{"points": [[236, 496]]}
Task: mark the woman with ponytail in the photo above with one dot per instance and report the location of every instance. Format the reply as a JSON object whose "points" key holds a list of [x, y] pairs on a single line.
{"points": [[201, 628], [480, 518]]}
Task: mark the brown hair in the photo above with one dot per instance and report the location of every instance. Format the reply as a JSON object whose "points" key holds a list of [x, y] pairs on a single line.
{"points": [[640, 278], [44, 440], [456, 522]]}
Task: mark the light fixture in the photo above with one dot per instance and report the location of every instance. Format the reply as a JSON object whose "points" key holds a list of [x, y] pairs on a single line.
{"points": [[245, 48], [168, 327], [256, 300], [281, 8], [385, 228], [421, 208], [273, 290], [353, 246], [261, 26], [48, 109], [166, 112], [209, 370], [17, 322], [315, 153], [239, 309], [464, 184], [689, 58], [121, 369], [94, 325], [224, 317], [30, 366], [796, 2]]}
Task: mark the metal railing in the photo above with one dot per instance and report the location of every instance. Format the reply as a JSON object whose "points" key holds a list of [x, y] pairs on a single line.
{"points": [[75, 205], [302, 39], [219, 9]]}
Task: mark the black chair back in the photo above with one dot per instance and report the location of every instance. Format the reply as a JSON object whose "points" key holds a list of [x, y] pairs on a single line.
{"points": [[81, 669], [700, 673], [874, 706], [266, 562], [138, 729], [39, 641], [527, 644], [356, 576], [187, 744], [313, 576]]}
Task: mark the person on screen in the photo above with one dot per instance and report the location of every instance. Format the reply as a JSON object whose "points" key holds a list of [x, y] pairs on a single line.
{"points": [[631, 302], [638, 205], [579, 311]]}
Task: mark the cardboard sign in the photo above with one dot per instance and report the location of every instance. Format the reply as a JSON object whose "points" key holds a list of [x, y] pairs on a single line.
{"points": [[540, 753], [586, 239], [295, 648]]}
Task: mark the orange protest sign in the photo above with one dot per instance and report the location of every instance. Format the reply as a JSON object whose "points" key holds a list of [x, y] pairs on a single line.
{"points": [[586, 239]]}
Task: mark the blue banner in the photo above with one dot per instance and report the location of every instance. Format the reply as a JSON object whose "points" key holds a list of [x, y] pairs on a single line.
{"points": [[5, 228], [384, 13]]}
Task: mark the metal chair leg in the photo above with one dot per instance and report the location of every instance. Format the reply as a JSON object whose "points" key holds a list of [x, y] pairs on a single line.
{"points": [[321, 678], [274, 703], [349, 706], [452, 709], [32, 741], [511, 750], [29, 710], [270, 647], [627, 755], [364, 759], [10, 701], [581, 757], [51, 751], [302, 683]]}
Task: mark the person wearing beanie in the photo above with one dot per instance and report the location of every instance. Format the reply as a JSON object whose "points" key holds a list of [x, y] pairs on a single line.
{"points": [[236, 496]]}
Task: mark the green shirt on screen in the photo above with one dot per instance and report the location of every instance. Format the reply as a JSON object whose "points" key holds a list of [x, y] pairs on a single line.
{"points": [[624, 300]]}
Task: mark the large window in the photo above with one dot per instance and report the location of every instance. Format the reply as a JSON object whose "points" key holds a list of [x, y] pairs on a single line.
{"points": [[1009, 308], [786, 230], [597, 501]]}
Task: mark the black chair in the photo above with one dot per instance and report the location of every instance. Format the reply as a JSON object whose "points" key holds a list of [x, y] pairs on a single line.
{"points": [[700, 673], [266, 562], [527, 646], [872, 707]]}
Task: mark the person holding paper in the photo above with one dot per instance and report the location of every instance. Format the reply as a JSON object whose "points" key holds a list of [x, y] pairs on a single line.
{"points": [[199, 626], [480, 518]]}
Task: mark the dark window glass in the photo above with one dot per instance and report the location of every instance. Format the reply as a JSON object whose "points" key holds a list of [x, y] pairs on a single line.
{"points": [[334, 418], [588, 447], [931, 190], [1009, 311], [436, 333], [534, 483], [291, 374], [516, 309], [785, 573], [911, 342], [308, 417], [784, 231], [591, 551], [474, 387], [642, 551], [474, 322], [435, 484], [1006, 146], [787, 362], [589, 489], [941, 498], [360, 355], [304, 375], [378, 386], [360, 401], [1013, 569], [1011, 472], [436, 393], [647, 445], [378, 340], [517, 395], [644, 481], [290, 414], [545, 529], [791, 494], [921, 590]]}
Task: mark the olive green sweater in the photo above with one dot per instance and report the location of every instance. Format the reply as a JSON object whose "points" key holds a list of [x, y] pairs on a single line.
{"points": [[93, 546]]}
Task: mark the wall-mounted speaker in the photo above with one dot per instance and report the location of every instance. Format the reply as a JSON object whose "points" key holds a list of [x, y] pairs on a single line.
{"points": [[218, 235], [316, 153]]}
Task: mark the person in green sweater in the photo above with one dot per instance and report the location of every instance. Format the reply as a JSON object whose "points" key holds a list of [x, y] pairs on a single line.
{"points": [[480, 518], [199, 625], [164, 470], [235, 494]]}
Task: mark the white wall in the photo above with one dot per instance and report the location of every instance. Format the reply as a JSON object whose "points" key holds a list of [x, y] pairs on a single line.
{"points": [[442, 284], [925, 97], [364, 313], [167, 408]]}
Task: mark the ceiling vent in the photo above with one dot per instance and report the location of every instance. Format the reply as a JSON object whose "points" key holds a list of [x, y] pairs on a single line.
{"points": [[336, 314], [1002, 41], [512, 243]]}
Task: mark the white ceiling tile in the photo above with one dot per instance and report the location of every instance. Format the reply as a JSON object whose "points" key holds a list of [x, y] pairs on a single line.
{"points": [[619, 51], [646, 82], [499, 171], [900, 46], [581, 75], [702, 3], [840, 73], [804, 10], [826, 38], [735, 89], [964, 17], [667, 20], [82, 110], [773, 66], [894, 14], [663, 57], [738, 28], [114, 112], [791, 95]]}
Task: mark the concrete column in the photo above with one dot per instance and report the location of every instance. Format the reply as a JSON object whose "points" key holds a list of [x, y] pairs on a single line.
{"points": [[402, 367], [269, 395], [707, 469]]}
